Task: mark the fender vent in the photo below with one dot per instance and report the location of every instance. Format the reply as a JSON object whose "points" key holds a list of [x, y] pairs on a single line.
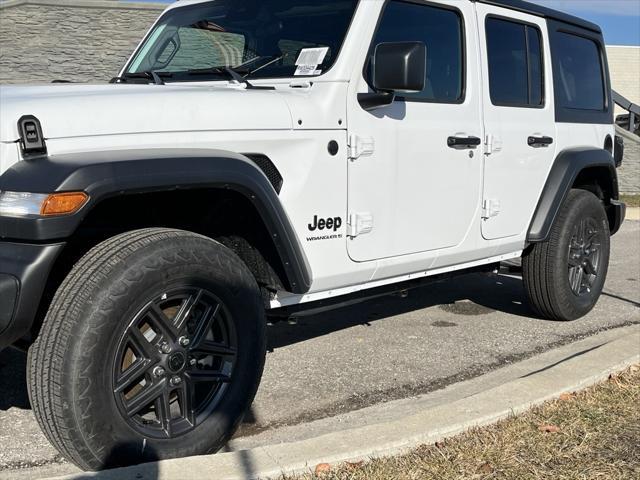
{"points": [[268, 168]]}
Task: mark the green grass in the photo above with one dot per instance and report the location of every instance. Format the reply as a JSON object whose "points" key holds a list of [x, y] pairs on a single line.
{"points": [[631, 200], [594, 434]]}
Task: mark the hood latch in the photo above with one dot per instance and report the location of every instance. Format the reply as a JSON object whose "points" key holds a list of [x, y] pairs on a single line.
{"points": [[32, 141]]}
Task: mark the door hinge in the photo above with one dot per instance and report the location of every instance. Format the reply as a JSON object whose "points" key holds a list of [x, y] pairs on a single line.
{"points": [[359, 224], [490, 208], [360, 146], [492, 144]]}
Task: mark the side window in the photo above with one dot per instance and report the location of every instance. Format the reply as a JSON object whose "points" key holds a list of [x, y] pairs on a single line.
{"points": [[441, 31], [580, 73], [516, 75]]}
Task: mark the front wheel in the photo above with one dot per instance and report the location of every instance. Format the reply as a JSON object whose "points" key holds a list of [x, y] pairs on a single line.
{"points": [[564, 276], [153, 348]]}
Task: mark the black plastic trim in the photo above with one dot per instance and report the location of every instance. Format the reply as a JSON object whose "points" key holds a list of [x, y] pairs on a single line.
{"points": [[30, 265], [617, 212], [540, 11], [265, 164], [566, 168], [106, 174], [8, 299]]}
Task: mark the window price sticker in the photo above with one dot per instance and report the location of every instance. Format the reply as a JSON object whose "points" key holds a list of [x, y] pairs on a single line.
{"points": [[309, 59]]}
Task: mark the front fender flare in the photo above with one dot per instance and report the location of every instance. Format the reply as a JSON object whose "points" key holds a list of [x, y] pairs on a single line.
{"points": [[106, 174], [565, 171]]}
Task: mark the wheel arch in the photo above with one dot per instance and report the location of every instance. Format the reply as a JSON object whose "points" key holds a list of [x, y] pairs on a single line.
{"points": [[107, 176], [588, 169]]}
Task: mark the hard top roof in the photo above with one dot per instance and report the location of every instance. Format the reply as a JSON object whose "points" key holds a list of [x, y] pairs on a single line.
{"points": [[539, 10]]}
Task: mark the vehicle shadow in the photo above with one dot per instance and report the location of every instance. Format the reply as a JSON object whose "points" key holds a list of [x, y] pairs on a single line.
{"points": [[473, 294], [13, 378], [470, 295]]}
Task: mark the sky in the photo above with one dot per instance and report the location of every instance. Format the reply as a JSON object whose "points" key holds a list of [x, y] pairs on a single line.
{"points": [[619, 19]]}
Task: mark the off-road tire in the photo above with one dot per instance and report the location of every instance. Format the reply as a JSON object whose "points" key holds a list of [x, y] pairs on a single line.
{"points": [[545, 267], [68, 366]]}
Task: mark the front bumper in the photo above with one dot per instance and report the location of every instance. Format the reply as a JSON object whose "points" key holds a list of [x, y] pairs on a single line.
{"points": [[24, 269], [616, 213]]}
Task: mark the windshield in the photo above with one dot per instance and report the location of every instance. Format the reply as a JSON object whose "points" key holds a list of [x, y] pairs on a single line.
{"points": [[256, 38]]}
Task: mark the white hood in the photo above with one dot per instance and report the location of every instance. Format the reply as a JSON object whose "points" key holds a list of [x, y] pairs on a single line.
{"points": [[67, 111]]}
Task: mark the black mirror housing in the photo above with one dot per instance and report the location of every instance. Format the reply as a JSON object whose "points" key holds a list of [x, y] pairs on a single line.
{"points": [[399, 67]]}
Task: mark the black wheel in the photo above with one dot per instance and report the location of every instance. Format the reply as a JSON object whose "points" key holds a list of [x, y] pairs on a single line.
{"points": [[153, 348], [565, 275]]}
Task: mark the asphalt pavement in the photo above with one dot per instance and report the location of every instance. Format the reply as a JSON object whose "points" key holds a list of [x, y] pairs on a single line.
{"points": [[385, 349]]}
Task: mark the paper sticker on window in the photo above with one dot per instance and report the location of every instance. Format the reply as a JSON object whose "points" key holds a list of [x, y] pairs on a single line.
{"points": [[309, 59], [308, 70]]}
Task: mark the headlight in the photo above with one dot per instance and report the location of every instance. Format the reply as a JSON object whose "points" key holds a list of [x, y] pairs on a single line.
{"points": [[33, 205]]}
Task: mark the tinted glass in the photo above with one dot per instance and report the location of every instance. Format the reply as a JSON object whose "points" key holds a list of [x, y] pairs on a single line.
{"points": [[580, 73], [441, 31], [508, 71], [515, 64], [266, 36], [536, 79]]}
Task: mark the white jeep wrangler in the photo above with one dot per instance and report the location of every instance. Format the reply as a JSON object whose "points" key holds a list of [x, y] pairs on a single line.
{"points": [[263, 158]]}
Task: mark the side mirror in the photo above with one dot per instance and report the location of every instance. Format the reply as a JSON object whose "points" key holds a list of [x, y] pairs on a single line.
{"points": [[396, 67]]}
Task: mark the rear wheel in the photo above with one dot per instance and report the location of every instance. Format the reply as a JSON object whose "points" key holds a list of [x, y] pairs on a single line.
{"points": [[564, 276], [153, 348]]}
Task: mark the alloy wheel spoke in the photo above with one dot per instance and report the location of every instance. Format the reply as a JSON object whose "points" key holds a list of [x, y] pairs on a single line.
{"points": [[140, 342], [208, 376], [131, 374], [213, 348], [589, 268], [145, 397], [187, 394], [163, 323], [204, 325], [583, 232], [576, 284], [186, 309], [163, 406]]}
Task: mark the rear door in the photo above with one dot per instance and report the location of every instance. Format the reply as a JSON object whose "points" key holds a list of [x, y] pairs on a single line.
{"points": [[518, 117]]}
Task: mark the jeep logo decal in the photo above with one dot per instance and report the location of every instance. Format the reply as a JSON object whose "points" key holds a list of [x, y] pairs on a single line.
{"points": [[325, 223]]}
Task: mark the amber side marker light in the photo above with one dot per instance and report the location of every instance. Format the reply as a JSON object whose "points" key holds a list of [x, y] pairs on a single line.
{"points": [[63, 203]]}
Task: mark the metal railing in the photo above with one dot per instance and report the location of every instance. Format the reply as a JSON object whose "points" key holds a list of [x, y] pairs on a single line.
{"points": [[629, 121]]}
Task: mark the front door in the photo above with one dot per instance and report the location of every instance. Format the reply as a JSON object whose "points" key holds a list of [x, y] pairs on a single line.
{"points": [[410, 190], [518, 117]]}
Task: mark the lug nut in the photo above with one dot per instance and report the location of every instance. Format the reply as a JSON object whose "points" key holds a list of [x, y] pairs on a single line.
{"points": [[176, 381], [166, 348], [184, 341], [158, 371]]}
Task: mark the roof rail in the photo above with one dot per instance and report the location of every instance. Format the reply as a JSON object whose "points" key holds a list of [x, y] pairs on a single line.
{"points": [[631, 120]]}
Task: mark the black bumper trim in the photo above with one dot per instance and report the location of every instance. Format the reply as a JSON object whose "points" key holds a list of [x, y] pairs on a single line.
{"points": [[617, 212], [29, 265], [8, 297]]}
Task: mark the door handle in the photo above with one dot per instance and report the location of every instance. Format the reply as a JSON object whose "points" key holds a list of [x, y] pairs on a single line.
{"points": [[463, 142], [539, 141]]}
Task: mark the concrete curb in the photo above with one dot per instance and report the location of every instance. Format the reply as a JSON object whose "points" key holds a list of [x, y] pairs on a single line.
{"points": [[533, 381], [633, 213]]}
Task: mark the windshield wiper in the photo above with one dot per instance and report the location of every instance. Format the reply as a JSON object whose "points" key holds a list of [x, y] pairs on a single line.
{"points": [[156, 77], [271, 60], [230, 72]]}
